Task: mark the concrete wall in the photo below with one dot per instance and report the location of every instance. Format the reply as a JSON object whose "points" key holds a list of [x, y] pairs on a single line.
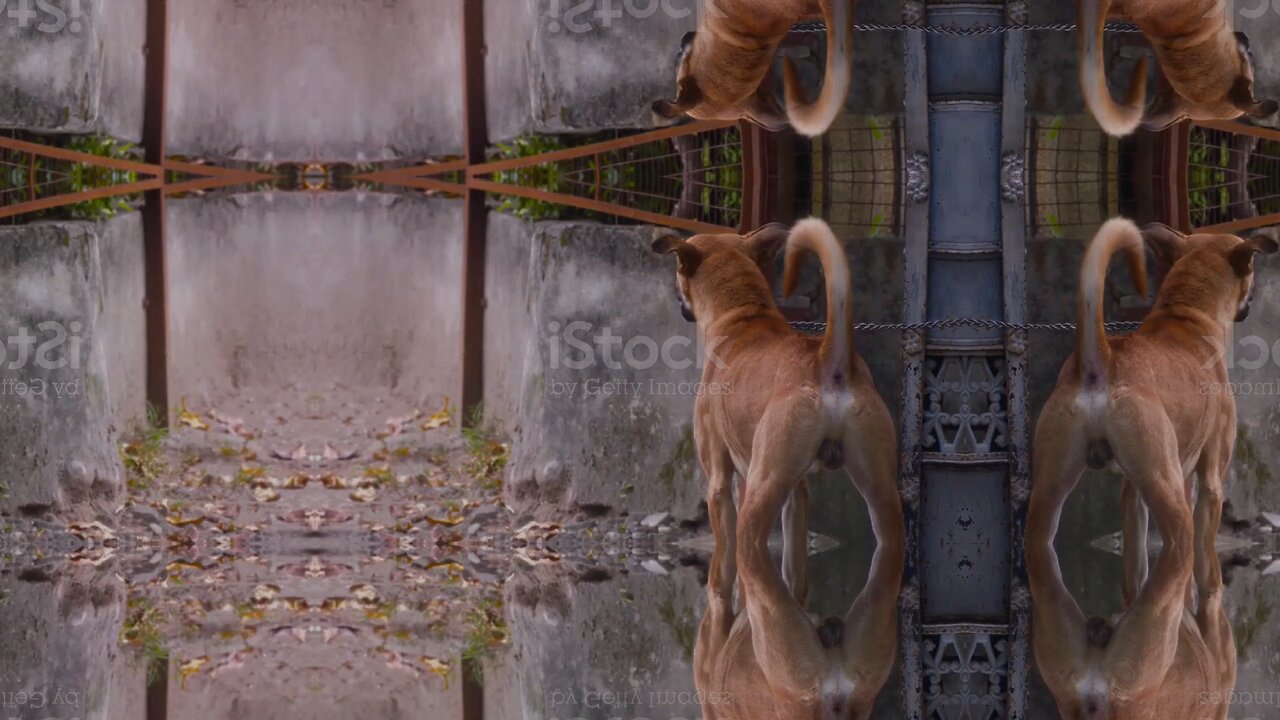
{"points": [[359, 689], [124, 344], [303, 80], [83, 74], [60, 639], [55, 406], [291, 289], [578, 435], [631, 636], [507, 324]]}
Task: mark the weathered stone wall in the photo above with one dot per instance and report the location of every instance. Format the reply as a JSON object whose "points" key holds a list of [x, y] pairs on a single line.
{"points": [[632, 636], [507, 323], [59, 643], [289, 289], [595, 430], [82, 73], [304, 80], [55, 387]]}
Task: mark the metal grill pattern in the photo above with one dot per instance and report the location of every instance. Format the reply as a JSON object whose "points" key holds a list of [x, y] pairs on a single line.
{"points": [[1076, 179], [966, 675], [965, 405], [1231, 176], [962, 31], [854, 176]]}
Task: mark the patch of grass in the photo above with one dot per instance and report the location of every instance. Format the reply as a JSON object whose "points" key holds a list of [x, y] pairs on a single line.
{"points": [[685, 630], [486, 455], [143, 458], [141, 629], [486, 630]]}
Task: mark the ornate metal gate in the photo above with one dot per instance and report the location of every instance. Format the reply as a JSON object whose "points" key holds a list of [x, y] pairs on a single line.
{"points": [[964, 468]]}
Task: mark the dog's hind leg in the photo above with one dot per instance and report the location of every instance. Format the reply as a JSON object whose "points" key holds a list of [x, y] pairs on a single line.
{"points": [[784, 641], [1215, 460], [717, 623], [1211, 617], [795, 543], [718, 466], [1145, 641], [1133, 541], [1058, 461]]}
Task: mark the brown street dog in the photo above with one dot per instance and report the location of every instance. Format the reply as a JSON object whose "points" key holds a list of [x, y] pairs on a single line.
{"points": [[1098, 669], [725, 67], [1208, 69], [774, 402], [1139, 402], [789, 668]]}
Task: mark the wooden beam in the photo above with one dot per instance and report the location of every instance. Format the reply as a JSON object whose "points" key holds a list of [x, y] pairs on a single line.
{"points": [[55, 201], [157, 703], [472, 690], [644, 216], [154, 136], [476, 215], [667, 133], [1236, 227]]}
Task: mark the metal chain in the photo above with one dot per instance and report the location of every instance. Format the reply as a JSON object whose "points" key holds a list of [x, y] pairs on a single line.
{"points": [[963, 31], [943, 323]]}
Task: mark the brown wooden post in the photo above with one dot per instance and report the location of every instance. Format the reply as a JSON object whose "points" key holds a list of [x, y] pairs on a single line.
{"points": [[154, 136], [475, 215]]}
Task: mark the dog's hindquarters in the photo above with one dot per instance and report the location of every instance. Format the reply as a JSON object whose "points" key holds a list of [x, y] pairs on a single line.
{"points": [[836, 352], [1093, 350]]}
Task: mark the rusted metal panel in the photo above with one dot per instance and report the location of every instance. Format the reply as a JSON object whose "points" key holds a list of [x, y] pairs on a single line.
{"points": [[916, 226], [1013, 232]]}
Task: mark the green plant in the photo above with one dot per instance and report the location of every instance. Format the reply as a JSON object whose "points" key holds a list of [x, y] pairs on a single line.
{"points": [[142, 629], [486, 630], [84, 177], [486, 455], [144, 458]]}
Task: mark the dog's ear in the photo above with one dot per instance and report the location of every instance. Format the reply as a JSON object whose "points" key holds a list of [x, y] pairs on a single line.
{"points": [[762, 246], [686, 42], [1167, 244], [1241, 257], [765, 110], [688, 255], [1242, 97], [1263, 109], [1243, 40], [687, 97], [1166, 109]]}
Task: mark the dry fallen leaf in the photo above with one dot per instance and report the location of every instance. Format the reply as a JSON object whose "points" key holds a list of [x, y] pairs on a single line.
{"points": [[191, 667], [439, 419], [437, 667], [190, 419], [265, 494]]}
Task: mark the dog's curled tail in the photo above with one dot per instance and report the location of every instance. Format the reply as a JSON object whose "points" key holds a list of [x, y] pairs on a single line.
{"points": [[1117, 119], [814, 119], [814, 236], [1093, 351]]}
